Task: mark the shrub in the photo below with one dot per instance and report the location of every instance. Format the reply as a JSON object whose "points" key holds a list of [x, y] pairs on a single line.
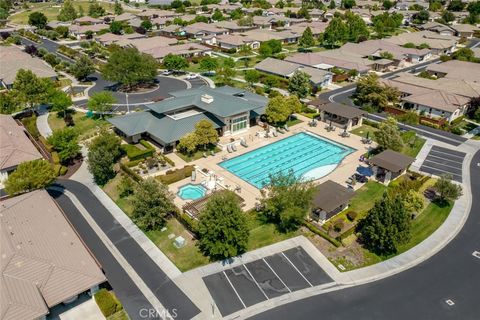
{"points": [[338, 225], [30, 124], [346, 234], [370, 123], [63, 170], [351, 215], [107, 303], [169, 161], [322, 234], [457, 120], [456, 130], [134, 163], [134, 153], [55, 157], [56, 169], [173, 176], [47, 145], [130, 172]]}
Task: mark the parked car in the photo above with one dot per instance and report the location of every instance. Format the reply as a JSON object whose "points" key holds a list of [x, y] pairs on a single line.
{"points": [[191, 76], [167, 72]]}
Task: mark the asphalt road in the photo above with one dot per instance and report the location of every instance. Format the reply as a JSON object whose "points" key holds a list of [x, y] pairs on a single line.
{"points": [[164, 289], [418, 293]]}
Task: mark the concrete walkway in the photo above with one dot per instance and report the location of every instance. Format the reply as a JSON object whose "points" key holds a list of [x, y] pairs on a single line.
{"points": [[42, 122], [88, 310]]}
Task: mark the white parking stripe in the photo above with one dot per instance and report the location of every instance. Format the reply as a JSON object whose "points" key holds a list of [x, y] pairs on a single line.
{"points": [[436, 169], [448, 154], [244, 306], [276, 275], [256, 282], [431, 155], [297, 269]]}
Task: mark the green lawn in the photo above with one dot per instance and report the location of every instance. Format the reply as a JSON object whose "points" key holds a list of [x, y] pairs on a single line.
{"points": [[426, 223], [363, 130], [51, 10], [84, 125]]}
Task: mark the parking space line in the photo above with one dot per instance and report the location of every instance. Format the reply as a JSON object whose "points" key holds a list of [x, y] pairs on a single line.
{"points": [[436, 169], [256, 282], [244, 306], [449, 154], [297, 269], [443, 159], [276, 275], [443, 165]]}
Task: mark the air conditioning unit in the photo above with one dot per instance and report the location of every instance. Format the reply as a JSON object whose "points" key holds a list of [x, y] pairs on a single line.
{"points": [[207, 98]]}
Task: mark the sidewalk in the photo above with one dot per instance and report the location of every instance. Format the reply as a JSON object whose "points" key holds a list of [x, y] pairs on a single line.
{"points": [[42, 122]]}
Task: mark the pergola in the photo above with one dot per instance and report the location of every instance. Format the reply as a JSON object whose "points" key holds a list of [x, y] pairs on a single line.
{"points": [[389, 165], [341, 114]]}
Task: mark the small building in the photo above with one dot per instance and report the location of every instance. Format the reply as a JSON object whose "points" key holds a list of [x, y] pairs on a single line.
{"points": [[44, 262], [339, 114], [15, 147], [389, 165], [330, 198]]}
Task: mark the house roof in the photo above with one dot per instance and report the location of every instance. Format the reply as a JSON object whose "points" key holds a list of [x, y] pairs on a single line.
{"points": [[13, 59], [276, 66], [44, 262], [336, 59], [203, 27], [234, 39], [391, 160], [457, 69], [15, 147], [81, 29], [433, 39], [342, 110], [331, 195], [437, 99], [87, 19]]}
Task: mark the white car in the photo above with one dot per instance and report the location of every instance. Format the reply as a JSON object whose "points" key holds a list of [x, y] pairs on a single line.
{"points": [[191, 76], [167, 73]]}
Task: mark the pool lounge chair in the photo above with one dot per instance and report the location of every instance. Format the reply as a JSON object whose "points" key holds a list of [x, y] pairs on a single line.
{"points": [[243, 143], [212, 152], [234, 148], [286, 127], [280, 130], [275, 134], [229, 148]]}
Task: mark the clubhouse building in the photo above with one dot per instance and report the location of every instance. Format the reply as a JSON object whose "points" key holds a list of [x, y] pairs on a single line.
{"points": [[231, 111]]}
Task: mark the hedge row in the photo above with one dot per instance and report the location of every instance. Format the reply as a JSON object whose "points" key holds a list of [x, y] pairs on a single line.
{"points": [[130, 172], [59, 169], [322, 234], [173, 176], [107, 302], [188, 222], [133, 163], [134, 153], [55, 157], [346, 234], [370, 123], [45, 143]]}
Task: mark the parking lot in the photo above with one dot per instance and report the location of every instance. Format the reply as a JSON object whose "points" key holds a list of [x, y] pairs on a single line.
{"points": [[248, 284], [441, 161]]}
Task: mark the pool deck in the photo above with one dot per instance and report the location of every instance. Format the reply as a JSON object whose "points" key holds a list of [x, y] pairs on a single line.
{"points": [[250, 193]]}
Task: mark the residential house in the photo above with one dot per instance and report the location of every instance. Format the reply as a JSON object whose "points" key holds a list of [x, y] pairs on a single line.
{"points": [[232, 26], [81, 31], [125, 17], [230, 110], [87, 20], [318, 78], [465, 30], [107, 39], [389, 165], [438, 28], [235, 41], [438, 44], [200, 30], [13, 59], [262, 35], [332, 59], [329, 199], [187, 50], [44, 261], [456, 69], [15, 147]]}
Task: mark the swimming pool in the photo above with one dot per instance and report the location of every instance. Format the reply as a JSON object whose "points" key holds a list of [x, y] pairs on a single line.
{"points": [[191, 191], [308, 155]]}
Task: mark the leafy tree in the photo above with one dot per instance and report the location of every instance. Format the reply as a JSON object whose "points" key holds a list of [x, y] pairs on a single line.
{"points": [[386, 226], [174, 62], [288, 200], [348, 4], [473, 112], [448, 16], [188, 143], [8, 103], [245, 50], [448, 191], [29, 89], [152, 202], [101, 102], [456, 5], [60, 102], [116, 27], [299, 84], [65, 142], [229, 62], [68, 12], [336, 32], [435, 6], [30, 175], [62, 31], [252, 76], [474, 12], [421, 16], [464, 54], [37, 19], [413, 201], [147, 25], [307, 40], [206, 133], [217, 15], [225, 74], [356, 28], [370, 93], [386, 55], [270, 47], [95, 10], [103, 151], [409, 45], [208, 64], [222, 227], [386, 23], [31, 50], [82, 68], [81, 12], [388, 135], [117, 8], [332, 4], [130, 67], [387, 4], [277, 110]]}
